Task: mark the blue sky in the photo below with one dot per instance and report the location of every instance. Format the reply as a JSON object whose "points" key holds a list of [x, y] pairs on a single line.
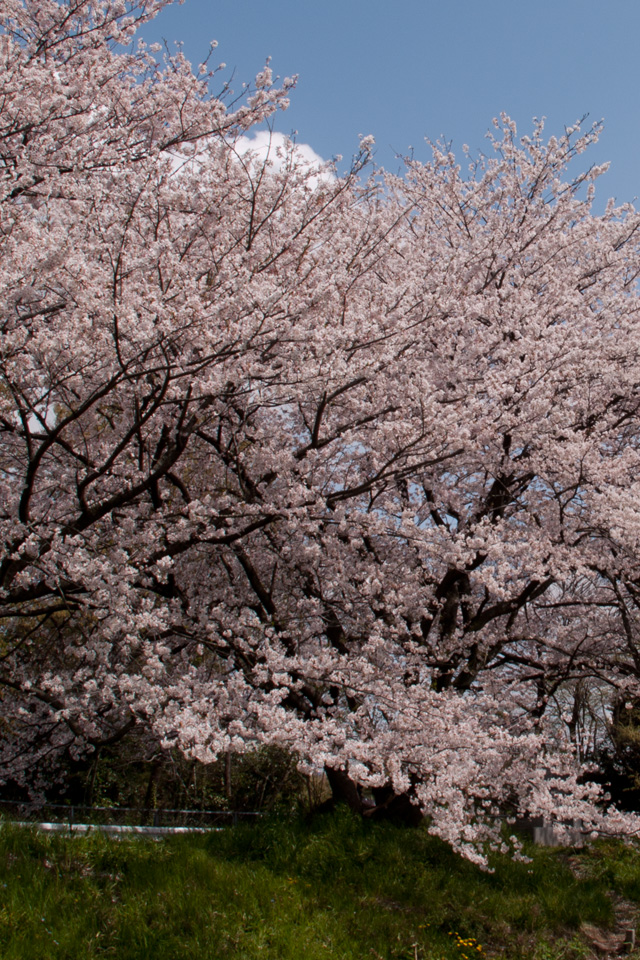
{"points": [[412, 69]]}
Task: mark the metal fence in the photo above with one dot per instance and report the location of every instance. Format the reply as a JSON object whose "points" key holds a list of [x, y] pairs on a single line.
{"points": [[158, 818], [60, 818]]}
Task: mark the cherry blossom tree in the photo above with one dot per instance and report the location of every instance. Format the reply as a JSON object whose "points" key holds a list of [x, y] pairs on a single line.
{"points": [[344, 465]]}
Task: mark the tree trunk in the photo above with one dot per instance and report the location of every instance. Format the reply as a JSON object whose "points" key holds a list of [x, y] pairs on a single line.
{"points": [[344, 790], [387, 806], [88, 799], [394, 806], [150, 795], [228, 790]]}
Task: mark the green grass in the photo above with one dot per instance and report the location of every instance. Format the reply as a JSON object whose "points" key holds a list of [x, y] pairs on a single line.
{"points": [[334, 888]]}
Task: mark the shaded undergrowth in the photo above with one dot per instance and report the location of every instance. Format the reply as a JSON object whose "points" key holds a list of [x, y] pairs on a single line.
{"points": [[334, 888]]}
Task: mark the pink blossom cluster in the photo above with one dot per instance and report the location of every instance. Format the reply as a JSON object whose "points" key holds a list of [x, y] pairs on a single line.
{"points": [[344, 464]]}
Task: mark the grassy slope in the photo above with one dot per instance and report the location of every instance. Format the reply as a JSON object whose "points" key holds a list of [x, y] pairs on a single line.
{"points": [[336, 888]]}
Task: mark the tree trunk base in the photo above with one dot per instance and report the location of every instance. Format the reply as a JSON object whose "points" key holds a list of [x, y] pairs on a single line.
{"points": [[386, 804]]}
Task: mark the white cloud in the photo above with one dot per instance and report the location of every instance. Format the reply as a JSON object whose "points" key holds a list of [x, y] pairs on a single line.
{"points": [[273, 148], [265, 147]]}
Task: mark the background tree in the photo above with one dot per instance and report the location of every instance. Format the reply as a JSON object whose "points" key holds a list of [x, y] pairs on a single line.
{"points": [[339, 466]]}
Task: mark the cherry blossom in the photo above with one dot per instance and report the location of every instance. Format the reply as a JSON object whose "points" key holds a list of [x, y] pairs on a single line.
{"points": [[342, 463]]}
